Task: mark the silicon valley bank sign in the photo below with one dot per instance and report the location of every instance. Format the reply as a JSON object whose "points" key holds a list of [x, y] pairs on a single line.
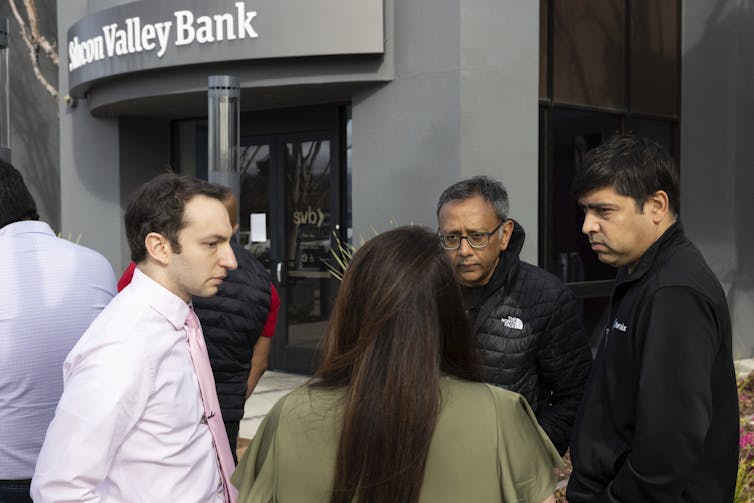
{"points": [[134, 37], [148, 35]]}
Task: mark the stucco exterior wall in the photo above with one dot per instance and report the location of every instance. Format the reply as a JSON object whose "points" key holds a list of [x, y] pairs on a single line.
{"points": [[35, 136], [717, 153]]}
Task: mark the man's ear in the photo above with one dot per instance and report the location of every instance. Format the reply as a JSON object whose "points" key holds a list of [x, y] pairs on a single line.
{"points": [[507, 233], [158, 247], [658, 206]]}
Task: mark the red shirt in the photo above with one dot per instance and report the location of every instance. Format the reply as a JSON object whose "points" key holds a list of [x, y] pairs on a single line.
{"points": [[272, 315]]}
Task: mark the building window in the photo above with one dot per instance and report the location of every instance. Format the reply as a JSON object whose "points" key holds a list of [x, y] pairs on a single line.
{"points": [[606, 67]]}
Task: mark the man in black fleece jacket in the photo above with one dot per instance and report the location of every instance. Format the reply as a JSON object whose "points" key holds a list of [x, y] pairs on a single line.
{"points": [[659, 420], [527, 323]]}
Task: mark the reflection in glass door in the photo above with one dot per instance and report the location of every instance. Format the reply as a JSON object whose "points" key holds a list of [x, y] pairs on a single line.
{"points": [[294, 180], [254, 169], [291, 179], [309, 230]]}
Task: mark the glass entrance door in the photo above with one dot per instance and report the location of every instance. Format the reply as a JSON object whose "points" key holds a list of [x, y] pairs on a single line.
{"points": [[294, 186], [291, 182]]}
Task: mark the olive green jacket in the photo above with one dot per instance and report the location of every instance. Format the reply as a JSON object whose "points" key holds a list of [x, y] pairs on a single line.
{"points": [[487, 447]]}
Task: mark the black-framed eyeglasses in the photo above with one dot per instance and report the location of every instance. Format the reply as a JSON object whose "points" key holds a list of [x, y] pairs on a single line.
{"points": [[475, 239]]}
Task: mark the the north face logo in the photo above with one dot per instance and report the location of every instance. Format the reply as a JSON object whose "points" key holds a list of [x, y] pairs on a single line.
{"points": [[512, 322]]}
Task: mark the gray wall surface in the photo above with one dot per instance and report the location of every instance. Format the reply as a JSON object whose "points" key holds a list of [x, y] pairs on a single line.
{"points": [[144, 153], [500, 103], [89, 159], [103, 158], [455, 95], [463, 102], [717, 152], [35, 136]]}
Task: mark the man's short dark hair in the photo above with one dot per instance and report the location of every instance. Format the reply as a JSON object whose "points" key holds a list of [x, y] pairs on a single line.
{"points": [[491, 190], [633, 166], [16, 203], [158, 206]]}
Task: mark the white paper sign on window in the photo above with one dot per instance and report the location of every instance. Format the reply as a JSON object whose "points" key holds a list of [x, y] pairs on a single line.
{"points": [[258, 224]]}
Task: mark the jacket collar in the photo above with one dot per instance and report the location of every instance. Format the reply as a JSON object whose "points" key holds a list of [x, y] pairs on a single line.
{"points": [[506, 267], [673, 234], [509, 258], [516, 242]]}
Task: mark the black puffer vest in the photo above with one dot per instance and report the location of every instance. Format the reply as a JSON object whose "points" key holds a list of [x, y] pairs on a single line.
{"points": [[529, 330], [232, 321]]}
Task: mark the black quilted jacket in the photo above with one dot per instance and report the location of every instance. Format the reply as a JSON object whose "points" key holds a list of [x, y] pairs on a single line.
{"points": [[232, 321], [529, 330]]}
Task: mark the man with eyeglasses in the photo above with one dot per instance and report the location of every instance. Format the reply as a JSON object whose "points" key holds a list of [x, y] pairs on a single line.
{"points": [[527, 323]]}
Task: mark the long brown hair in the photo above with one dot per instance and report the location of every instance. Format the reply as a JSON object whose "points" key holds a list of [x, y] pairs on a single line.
{"points": [[397, 325]]}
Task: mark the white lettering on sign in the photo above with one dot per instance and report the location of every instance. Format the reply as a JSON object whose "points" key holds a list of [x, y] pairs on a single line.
{"points": [[133, 36], [82, 53], [308, 217], [184, 27], [245, 28]]}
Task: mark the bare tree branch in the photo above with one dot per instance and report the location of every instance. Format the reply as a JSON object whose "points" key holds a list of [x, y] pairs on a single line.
{"points": [[34, 41], [47, 47], [247, 160]]}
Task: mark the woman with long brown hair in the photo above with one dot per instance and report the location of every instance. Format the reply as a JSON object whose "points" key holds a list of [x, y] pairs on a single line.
{"points": [[395, 412]]}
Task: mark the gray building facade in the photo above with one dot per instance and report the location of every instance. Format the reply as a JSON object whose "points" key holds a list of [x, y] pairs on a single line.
{"points": [[356, 115], [34, 130]]}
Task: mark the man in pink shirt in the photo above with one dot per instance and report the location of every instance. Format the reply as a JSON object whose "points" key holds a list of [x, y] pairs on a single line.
{"points": [[133, 423], [238, 325]]}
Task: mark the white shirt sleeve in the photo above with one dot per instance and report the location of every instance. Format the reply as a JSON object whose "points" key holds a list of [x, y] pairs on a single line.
{"points": [[106, 391]]}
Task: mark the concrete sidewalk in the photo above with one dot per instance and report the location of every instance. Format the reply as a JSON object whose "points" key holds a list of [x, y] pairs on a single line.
{"points": [[272, 387], [275, 385]]}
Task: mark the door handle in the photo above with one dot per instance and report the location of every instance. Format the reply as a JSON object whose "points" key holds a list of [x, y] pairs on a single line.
{"points": [[279, 272]]}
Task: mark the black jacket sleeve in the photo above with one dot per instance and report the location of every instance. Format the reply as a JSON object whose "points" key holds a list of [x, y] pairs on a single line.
{"points": [[564, 360]]}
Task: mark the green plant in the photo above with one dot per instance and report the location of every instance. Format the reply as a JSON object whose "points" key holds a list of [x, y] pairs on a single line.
{"points": [[342, 254], [745, 479]]}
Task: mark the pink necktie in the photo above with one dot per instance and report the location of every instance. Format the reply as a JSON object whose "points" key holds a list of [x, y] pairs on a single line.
{"points": [[212, 415]]}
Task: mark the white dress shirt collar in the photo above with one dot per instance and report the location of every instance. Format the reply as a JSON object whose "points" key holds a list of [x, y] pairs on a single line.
{"points": [[24, 227], [162, 300]]}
